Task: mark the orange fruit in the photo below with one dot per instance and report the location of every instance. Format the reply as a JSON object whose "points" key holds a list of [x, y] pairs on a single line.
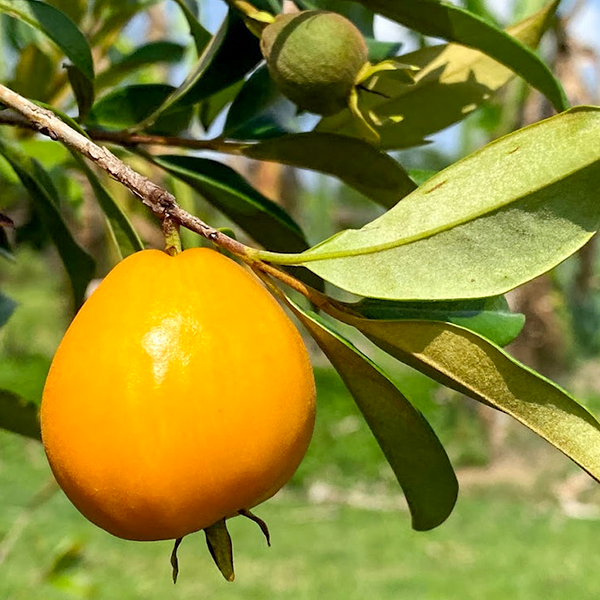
{"points": [[180, 395]]}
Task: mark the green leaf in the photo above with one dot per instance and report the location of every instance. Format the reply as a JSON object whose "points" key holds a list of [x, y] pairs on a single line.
{"points": [[211, 108], [201, 36], [121, 231], [379, 50], [452, 82], [361, 16], [19, 416], [149, 54], [7, 307], [232, 52], [500, 217], [83, 89], [131, 105], [463, 361], [225, 189], [33, 73], [78, 263], [238, 53], [441, 19], [489, 317], [355, 162], [259, 111], [412, 449], [56, 26]]}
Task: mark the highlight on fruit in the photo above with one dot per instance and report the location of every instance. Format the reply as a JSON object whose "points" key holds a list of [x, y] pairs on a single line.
{"points": [[181, 396]]}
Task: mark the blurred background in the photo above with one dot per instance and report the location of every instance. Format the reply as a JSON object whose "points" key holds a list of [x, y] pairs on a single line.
{"points": [[527, 520]]}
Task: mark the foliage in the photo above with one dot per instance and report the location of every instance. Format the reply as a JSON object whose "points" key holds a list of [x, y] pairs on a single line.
{"points": [[429, 272]]}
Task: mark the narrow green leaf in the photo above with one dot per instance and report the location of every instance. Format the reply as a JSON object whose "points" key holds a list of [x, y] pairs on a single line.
{"points": [[19, 415], [124, 235], [148, 54], [201, 36], [455, 24], [357, 163], [232, 52], [453, 81], [78, 263], [225, 189], [131, 105], [211, 108], [412, 449], [83, 89], [489, 317], [33, 73], [462, 360], [55, 25], [7, 307], [502, 216], [238, 54]]}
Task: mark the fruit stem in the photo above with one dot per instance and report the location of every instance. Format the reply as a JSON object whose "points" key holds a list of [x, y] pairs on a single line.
{"points": [[172, 238]]}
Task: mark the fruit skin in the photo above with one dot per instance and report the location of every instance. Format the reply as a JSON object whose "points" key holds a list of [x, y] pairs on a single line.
{"points": [[313, 58], [180, 394]]}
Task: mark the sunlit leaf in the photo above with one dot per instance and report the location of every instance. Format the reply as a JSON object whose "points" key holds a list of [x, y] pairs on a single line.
{"points": [[502, 216], [442, 19], [453, 81]]}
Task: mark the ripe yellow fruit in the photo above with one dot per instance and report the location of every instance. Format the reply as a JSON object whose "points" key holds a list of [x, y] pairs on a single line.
{"points": [[180, 395], [314, 58]]}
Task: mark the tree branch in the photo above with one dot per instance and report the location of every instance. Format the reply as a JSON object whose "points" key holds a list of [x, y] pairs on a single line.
{"points": [[125, 138], [159, 200]]}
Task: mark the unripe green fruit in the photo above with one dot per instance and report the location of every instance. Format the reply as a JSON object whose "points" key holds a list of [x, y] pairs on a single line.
{"points": [[313, 58]]}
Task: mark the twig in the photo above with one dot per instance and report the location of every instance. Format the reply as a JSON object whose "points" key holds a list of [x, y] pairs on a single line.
{"points": [[126, 138], [159, 200]]}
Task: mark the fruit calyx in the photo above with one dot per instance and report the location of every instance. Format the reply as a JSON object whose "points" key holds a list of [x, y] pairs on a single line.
{"points": [[220, 545]]}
